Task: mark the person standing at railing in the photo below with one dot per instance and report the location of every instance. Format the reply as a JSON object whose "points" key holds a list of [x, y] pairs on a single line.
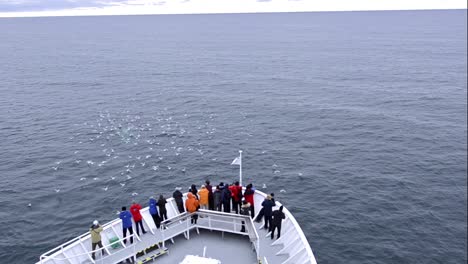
{"points": [[135, 210], [236, 193], [162, 208], [203, 194], [126, 217], [178, 197], [278, 217], [153, 209], [217, 198], [226, 198], [260, 214], [192, 206], [267, 211], [249, 197], [95, 231], [210, 195], [273, 198], [194, 191]]}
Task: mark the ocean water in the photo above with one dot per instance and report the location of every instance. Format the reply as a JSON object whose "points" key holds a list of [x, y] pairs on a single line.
{"points": [[356, 121]]}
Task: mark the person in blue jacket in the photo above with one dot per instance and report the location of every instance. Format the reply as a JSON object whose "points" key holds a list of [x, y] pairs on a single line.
{"points": [[153, 209], [126, 217]]}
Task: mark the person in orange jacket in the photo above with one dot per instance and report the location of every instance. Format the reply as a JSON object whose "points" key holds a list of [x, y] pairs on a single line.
{"points": [[203, 194], [191, 204]]}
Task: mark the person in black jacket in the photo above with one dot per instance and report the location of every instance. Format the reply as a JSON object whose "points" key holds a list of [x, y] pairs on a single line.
{"points": [[162, 208], [217, 198], [278, 217], [226, 198], [260, 215], [273, 198], [210, 195], [194, 191], [177, 195], [267, 211]]}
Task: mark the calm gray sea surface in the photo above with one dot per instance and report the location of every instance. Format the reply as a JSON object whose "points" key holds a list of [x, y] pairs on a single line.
{"points": [[356, 121]]}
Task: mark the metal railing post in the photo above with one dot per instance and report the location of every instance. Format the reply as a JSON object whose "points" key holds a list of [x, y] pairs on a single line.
{"points": [[188, 231], [134, 252], [163, 236], [258, 248]]}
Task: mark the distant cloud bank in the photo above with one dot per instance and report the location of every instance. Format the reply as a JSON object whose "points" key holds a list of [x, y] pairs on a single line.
{"points": [[41, 5], [12, 8]]}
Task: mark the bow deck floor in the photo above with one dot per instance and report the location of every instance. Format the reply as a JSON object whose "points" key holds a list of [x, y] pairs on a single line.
{"points": [[228, 248]]}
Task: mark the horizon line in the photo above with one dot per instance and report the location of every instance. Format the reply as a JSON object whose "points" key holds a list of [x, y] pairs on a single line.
{"points": [[5, 15]]}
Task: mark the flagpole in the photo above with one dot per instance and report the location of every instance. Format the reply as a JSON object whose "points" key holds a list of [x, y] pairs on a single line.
{"points": [[240, 167]]}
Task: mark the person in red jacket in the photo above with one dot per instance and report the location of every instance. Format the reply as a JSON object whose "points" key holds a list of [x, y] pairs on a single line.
{"points": [[249, 197], [236, 193], [135, 210]]}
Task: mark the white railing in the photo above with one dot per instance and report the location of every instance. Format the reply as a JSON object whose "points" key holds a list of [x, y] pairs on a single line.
{"points": [[236, 224], [170, 228], [211, 220], [78, 241], [220, 221], [88, 254], [303, 244]]}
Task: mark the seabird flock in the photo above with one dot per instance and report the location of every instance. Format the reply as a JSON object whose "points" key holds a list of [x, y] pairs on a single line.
{"points": [[139, 145]]}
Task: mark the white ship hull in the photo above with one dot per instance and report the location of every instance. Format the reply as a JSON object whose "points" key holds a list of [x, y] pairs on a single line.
{"points": [[216, 238]]}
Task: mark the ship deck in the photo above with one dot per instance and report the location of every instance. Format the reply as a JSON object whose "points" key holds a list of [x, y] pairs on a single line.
{"points": [[224, 246], [228, 248], [216, 235]]}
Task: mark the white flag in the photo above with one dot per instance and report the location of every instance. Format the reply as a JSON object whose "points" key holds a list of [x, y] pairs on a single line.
{"points": [[236, 161]]}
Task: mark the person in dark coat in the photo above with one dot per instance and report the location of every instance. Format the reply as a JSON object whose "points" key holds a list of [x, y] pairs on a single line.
{"points": [[126, 218], [178, 197], [194, 191], [226, 199], [210, 195], [267, 211], [162, 208], [217, 198], [153, 210], [260, 215], [278, 217], [273, 198]]}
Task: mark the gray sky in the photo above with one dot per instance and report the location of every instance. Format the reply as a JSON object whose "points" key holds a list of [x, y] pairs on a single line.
{"points": [[113, 7], [43, 5]]}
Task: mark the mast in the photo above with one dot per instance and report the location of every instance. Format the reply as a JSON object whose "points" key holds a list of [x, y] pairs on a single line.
{"points": [[240, 167]]}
